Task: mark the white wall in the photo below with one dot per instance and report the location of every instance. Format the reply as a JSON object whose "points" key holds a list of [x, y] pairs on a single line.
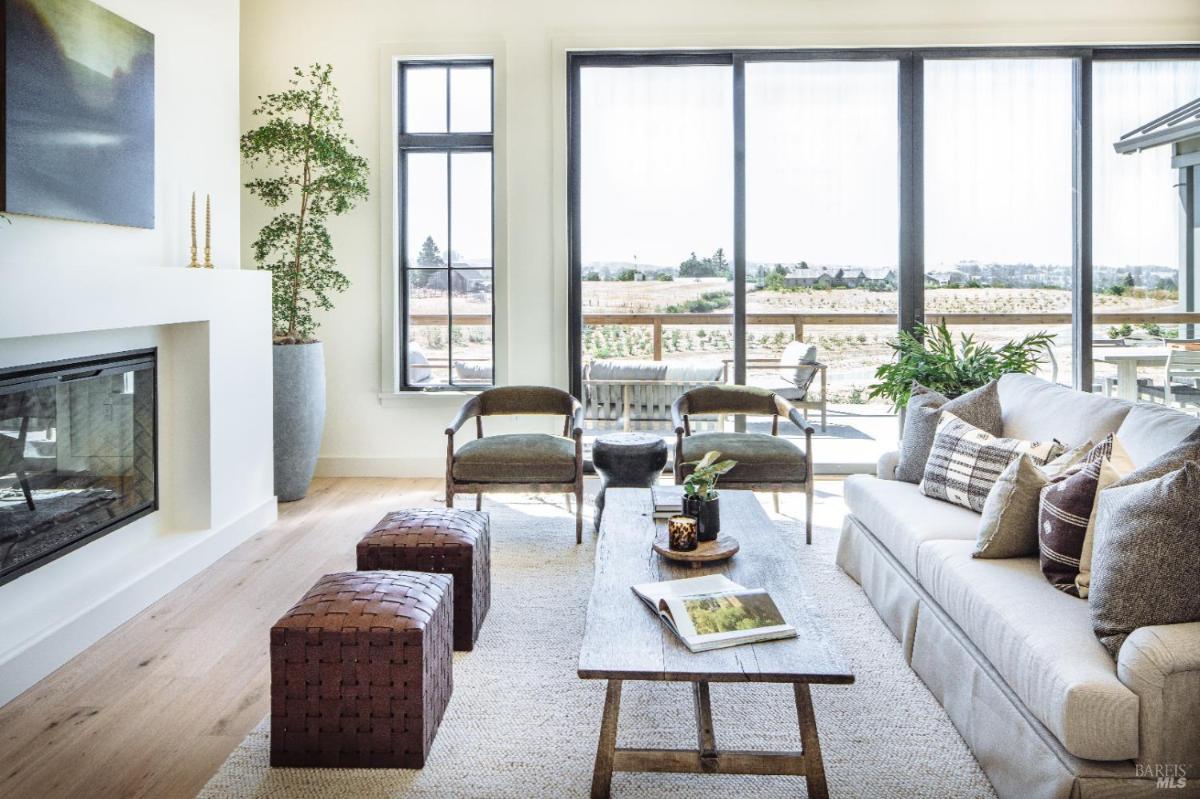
{"points": [[196, 131], [72, 289], [530, 37]]}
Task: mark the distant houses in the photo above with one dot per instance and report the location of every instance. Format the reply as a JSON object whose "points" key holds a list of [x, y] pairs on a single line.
{"points": [[870, 279]]}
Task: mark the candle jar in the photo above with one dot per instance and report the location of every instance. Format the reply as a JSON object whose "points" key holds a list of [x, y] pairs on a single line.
{"points": [[682, 533]]}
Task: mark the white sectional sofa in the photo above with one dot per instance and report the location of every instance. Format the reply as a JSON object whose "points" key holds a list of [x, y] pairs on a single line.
{"points": [[1041, 703]]}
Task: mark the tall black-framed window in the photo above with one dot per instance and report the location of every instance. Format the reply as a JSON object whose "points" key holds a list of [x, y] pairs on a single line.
{"points": [[948, 73], [445, 218]]}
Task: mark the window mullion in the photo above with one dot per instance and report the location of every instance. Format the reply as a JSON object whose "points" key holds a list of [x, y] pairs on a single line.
{"points": [[449, 266]]}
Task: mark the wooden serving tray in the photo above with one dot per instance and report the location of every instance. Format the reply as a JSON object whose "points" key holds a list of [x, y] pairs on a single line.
{"points": [[724, 548]]}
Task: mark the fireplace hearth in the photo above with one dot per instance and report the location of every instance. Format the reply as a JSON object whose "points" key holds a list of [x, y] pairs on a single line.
{"points": [[78, 454]]}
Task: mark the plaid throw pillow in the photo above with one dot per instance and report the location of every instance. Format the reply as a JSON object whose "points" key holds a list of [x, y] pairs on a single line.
{"points": [[966, 462]]}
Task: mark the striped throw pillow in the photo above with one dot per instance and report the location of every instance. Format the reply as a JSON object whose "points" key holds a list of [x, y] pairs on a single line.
{"points": [[966, 462], [1067, 516]]}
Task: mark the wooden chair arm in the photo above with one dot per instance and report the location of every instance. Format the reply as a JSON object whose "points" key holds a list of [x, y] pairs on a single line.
{"points": [[785, 408], [468, 411], [577, 419], [677, 413]]}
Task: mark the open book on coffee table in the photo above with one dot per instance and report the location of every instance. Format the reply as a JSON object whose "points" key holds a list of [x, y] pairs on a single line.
{"points": [[713, 611]]}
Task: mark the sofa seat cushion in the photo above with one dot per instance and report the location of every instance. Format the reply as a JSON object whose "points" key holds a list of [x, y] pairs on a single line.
{"points": [[903, 519], [1040, 641], [1034, 409], [760, 458], [516, 458]]}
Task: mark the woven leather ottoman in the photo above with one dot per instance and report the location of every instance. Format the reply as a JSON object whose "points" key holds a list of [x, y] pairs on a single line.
{"points": [[442, 541], [361, 671]]}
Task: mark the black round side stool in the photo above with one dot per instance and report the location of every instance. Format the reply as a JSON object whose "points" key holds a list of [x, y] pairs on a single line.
{"points": [[627, 460]]}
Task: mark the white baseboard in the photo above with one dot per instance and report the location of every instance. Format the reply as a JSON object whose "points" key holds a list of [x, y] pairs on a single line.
{"points": [[22, 668], [350, 466]]}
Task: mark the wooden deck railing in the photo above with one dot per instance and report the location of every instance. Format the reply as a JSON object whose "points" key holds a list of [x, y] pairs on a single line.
{"points": [[797, 321]]}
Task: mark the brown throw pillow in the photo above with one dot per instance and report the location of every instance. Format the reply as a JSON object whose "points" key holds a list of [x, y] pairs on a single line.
{"points": [[1066, 517]]}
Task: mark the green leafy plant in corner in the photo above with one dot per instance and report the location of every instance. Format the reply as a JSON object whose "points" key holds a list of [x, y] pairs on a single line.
{"points": [[929, 355], [314, 169], [702, 482]]}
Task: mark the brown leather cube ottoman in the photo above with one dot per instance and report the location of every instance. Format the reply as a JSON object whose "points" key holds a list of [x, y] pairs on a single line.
{"points": [[442, 541], [361, 671]]}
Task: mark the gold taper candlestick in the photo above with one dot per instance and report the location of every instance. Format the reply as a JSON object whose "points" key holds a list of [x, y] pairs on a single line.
{"points": [[193, 263], [208, 264]]}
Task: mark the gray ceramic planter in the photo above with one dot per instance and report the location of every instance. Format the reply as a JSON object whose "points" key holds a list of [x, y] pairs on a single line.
{"points": [[299, 416]]}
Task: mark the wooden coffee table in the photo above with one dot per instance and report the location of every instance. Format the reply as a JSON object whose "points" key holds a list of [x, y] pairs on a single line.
{"points": [[625, 640]]}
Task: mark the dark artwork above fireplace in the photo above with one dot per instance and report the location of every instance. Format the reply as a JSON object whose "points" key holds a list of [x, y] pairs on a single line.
{"points": [[77, 123], [78, 454]]}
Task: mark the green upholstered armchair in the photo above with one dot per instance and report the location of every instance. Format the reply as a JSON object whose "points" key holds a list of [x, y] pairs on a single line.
{"points": [[764, 462], [537, 462]]}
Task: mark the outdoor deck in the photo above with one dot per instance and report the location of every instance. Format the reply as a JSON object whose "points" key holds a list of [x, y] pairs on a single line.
{"points": [[856, 436]]}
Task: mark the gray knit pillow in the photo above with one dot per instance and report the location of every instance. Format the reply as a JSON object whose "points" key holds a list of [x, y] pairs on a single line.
{"points": [[979, 408], [1146, 562]]}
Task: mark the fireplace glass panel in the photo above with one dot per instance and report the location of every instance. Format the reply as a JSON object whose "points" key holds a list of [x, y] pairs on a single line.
{"points": [[77, 454]]}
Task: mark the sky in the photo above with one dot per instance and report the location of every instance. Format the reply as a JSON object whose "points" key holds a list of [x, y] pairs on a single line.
{"points": [[822, 164], [465, 177]]}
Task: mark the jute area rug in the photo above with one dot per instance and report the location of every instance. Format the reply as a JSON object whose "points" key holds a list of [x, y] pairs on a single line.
{"points": [[522, 725]]}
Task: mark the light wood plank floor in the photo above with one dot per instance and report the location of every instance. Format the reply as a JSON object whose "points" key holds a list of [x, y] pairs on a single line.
{"points": [[156, 707]]}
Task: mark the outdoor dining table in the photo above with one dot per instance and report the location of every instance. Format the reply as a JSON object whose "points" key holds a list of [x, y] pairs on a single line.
{"points": [[1128, 360]]}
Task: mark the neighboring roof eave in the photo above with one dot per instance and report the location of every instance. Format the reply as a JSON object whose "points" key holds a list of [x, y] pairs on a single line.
{"points": [[1177, 125], [1158, 138]]}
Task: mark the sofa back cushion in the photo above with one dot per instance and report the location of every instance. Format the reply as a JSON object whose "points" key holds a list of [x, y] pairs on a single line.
{"points": [[1152, 430], [1034, 409]]}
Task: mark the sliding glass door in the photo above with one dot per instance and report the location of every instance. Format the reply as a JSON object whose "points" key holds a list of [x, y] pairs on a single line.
{"points": [[822, 242], [656, 237], [1140, 280], [998, 201], [773, 218]]}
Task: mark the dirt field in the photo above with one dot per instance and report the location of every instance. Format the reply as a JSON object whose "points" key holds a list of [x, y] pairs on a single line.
{"points": [[851, 353]]}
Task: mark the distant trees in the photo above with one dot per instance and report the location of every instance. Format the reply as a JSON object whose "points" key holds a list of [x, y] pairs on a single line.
{"points": [[776, 280], [430, 255], [715, 265], [626, 275]]}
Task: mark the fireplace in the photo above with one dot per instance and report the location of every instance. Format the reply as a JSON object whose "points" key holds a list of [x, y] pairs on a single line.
{"points": [[78, 454]]}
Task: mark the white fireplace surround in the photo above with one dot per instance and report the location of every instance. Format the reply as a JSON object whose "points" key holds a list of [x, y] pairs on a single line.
{"points": [[212, 329]]}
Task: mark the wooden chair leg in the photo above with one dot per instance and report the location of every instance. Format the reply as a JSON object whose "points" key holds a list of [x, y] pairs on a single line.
{"points": [[808, 510], [579, 515], [25, 489], [479, 502], [449, 498]]}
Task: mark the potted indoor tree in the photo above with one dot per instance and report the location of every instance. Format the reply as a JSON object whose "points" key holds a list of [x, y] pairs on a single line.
{"points": [[700, 498], [311, 172]]}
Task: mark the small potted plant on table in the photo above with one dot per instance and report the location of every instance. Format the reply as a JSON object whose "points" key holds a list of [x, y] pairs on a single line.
{"points": [[700, 494]]}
